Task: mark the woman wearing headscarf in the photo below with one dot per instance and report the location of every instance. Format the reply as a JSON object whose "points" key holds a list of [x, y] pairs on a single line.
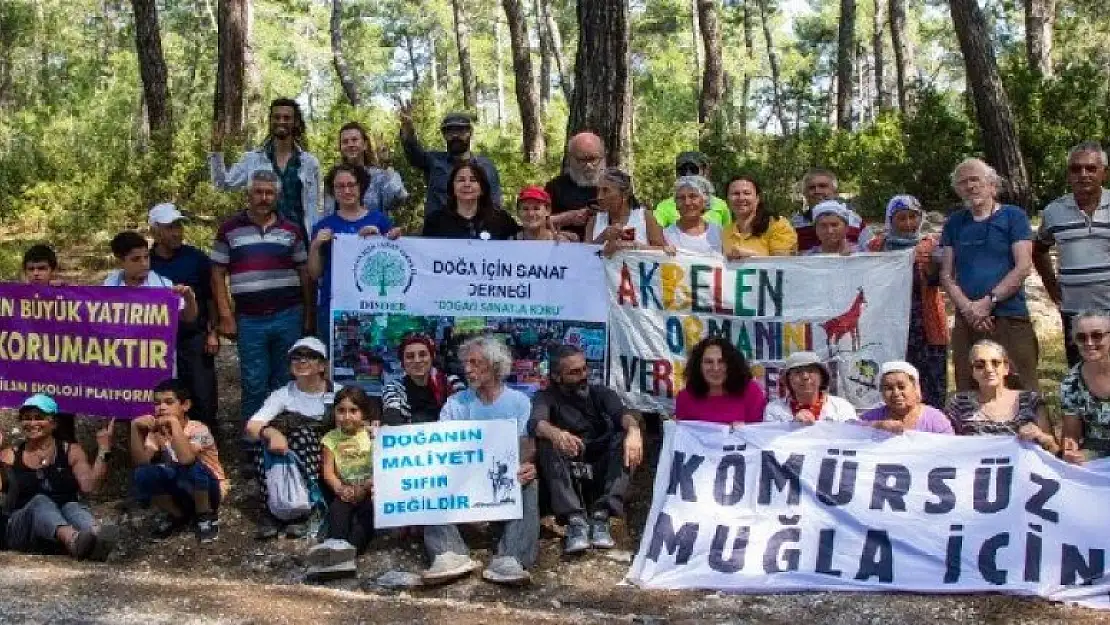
{"points": [[621, 222], [692, 233], [807, 399], [927, 347], [902, 409], [419, 395]]}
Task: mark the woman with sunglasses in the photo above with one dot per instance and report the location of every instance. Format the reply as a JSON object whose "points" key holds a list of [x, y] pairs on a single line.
{"points": [[292, 421], [993, 407], [1085, 391]]}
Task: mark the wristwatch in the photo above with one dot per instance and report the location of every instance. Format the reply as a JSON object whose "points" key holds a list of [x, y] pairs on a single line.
{"points": [[994, 299]]}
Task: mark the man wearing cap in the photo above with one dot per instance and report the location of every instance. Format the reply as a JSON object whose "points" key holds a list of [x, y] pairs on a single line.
{"points": [[197, 342], [693, 164], [574, 192], [831, 221], [805, 380], [820, 185], [457, 129]]}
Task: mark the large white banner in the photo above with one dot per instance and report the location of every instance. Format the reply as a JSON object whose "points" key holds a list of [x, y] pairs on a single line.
{"points": [[534, 295], [852, 310], [446, 472], [771, 508]]}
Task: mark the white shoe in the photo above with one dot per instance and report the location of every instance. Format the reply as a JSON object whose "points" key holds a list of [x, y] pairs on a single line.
{"points": [[448, 566], [506, 570]]}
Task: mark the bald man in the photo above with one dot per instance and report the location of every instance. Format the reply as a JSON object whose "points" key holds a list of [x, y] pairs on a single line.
{"points": [[574, 191]]}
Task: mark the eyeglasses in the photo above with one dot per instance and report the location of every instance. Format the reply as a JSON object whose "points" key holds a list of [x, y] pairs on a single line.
{"points": [[587, 159], [982, 364], [303, 357], [1079, 168], [343, 186], [1095, 336]]}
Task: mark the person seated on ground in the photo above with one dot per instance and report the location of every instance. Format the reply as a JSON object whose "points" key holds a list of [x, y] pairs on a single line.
{"points": [[806, 398], [345, 185], [719, 386], [831, 221], [133, 254], [902, 408], [419, 395], [487, 363], [621, 223], [754, 231], [291, 421], [667, 212], [587, 445], [43, 480], [1085, 391], [177, 466], [470, 212], [692, 232], [927, 346], [534, 206], [346, 467], [993, 408]]}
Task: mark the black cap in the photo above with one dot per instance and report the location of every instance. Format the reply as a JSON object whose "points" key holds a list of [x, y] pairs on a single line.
{"points": [[456, 120], [691, 158]]}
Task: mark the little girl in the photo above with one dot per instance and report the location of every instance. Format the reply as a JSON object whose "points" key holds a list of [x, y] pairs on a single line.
{"points": [[346, 468]]}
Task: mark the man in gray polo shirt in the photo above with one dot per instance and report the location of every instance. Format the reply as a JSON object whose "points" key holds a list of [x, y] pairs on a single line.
{"points": [[1079, 223]]}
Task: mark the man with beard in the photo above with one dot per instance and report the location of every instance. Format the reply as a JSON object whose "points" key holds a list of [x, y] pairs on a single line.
{"points": [[574, 192], [457, 130], [587, 444], [385, 189], [283, 153]]}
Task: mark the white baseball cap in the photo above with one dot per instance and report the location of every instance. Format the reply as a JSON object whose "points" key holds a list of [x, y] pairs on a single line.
{"points": [[312, 344], [165, 214]]}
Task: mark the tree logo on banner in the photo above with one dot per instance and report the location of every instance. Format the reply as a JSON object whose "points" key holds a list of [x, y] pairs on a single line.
{"points": [[384, 268]]}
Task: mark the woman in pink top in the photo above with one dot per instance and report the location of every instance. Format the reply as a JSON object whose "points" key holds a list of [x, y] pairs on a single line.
{"points": [[902, 408], [719, 386]]}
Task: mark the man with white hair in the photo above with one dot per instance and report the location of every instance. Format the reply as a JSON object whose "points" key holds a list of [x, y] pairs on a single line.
{"points": [[574, 192], [487, 363], [821, 185], [1079, 223], [988, 253]]}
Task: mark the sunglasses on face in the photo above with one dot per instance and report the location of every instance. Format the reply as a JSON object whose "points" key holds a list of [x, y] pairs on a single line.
{"points": [[302, 357], [1095, 336], [982, 364]]}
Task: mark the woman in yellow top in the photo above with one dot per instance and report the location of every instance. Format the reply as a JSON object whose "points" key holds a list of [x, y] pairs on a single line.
{"points": [[754, 231]]}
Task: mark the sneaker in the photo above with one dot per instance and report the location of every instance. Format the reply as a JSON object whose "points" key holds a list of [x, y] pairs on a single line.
{"points": [[506, 570], [267, 527], [207, 528], [600, 536], [577, 539], [106, 538], [166, 526], [82, 545], [448, 566], [297, 529]]}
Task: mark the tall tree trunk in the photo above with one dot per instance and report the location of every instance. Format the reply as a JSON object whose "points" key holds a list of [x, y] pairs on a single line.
{"points": [[845, 64], [746, 88], [905, 63], [433, 66], [555, 48], [600, 102], [1040, 18], [713, 79], [341, 69], [878, 34], [466, 70], [695, 39], [773, 61], [545, 57], [410, 49], [992, 106], [527, 97], [152, 69], [499, 62], [254, 117]]}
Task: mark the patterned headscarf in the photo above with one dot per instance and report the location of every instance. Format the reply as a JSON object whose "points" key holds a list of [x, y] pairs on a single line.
{"points": [[895, 240]]}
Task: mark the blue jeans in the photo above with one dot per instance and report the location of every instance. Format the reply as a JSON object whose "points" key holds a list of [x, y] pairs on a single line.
{"points": [[34, 526], [178, 481], [264, 343]]}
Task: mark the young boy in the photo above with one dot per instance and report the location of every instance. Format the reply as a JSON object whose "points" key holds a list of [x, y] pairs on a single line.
{"points": [[40, 264], [177, 466], [133, 253]]}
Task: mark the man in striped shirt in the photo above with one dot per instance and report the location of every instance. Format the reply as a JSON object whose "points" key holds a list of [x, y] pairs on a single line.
{"points": [[1079, 224], [260, 255]]}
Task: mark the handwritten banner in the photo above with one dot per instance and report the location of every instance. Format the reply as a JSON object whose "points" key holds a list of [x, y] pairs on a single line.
{"points": [[852, 310], [446, 472], [533, 295], [96, 350], [844, 507]]}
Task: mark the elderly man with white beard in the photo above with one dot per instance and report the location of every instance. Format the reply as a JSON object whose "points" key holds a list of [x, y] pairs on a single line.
{"points": [[574, 192]]}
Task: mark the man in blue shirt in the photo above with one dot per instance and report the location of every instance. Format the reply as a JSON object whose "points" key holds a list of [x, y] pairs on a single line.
{"points": [[988, 252], [457, 130], [197, 342]]}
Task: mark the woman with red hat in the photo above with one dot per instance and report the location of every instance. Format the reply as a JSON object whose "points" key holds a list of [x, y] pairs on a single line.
{"points": [[534, 206], [420, 394]]}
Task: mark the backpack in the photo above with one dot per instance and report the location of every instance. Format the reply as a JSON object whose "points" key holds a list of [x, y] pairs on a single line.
{"points": [[287, 495]]}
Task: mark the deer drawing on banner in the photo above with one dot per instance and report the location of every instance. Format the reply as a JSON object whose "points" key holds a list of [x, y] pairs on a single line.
{"points": [[845, 324]]}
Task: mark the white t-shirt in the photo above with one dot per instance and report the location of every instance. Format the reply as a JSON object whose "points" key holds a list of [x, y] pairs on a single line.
{"points": [[289, 398], [510, 404], [836, 410], [708, 242], [153, 281], [636, 221]]}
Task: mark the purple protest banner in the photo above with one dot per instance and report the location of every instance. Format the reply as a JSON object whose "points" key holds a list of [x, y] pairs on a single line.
{"points": [[97, 350]]}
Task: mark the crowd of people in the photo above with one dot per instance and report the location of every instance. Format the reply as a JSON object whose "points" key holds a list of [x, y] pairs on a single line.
{"points": [[266, 285]]}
